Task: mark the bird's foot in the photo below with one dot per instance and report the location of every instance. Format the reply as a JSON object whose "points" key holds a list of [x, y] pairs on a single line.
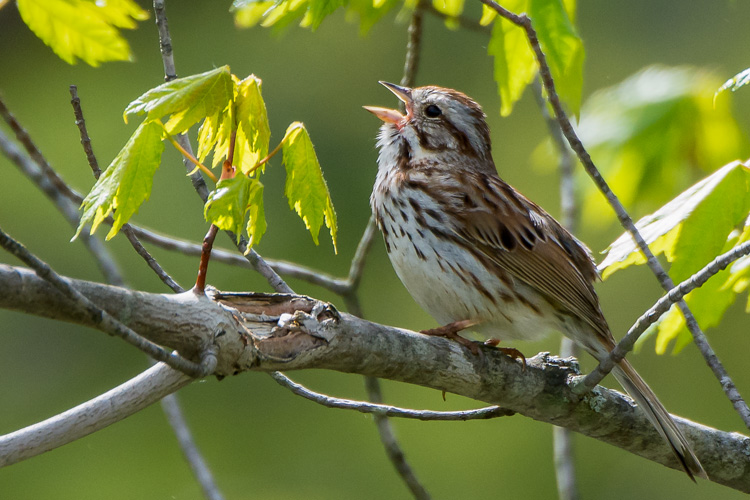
{"points": [[508, 351], [450, 331]]}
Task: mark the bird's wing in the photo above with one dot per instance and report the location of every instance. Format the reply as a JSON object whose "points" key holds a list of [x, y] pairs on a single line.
{"points": [[527, 242]]}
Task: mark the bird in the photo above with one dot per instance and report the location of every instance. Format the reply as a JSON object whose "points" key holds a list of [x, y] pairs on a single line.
{"points": [[475, 253]]}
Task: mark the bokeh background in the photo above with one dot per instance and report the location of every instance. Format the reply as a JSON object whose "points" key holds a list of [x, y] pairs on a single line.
{"points": [[260, 440]]}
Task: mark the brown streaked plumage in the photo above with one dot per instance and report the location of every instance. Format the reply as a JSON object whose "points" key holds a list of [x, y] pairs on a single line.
{"points": [[471, 250]]}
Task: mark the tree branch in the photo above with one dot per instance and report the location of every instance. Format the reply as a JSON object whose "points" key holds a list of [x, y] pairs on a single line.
{"points": [[381, 410], [101, 319], [87, 418], [313, 335]]}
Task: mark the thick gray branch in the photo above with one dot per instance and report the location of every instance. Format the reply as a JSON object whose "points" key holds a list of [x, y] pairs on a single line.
{"points": [[91, 416], [313, 335]]}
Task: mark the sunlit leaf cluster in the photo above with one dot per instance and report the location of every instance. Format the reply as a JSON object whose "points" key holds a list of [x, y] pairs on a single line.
{"points": [[514, 62], [709, 218], [654, 134], [234, 122], [83, 29]]}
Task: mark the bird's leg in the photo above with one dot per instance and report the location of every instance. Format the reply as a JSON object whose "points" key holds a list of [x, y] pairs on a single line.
{"points": [[508, 351], [450, 331]]}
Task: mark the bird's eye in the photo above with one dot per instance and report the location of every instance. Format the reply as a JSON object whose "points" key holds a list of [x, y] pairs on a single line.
{"points": [[432, 111]]}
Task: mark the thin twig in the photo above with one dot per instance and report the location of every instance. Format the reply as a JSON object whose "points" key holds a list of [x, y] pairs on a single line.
{"points": [[339, 286], [358, 261], [102, 319], [170, 73], [85, 139], [625, 220], [34, 166], [565, 471], [25, 139], [391, 444], [387, 410], [662, 305], [126, 228], [171, 407]]}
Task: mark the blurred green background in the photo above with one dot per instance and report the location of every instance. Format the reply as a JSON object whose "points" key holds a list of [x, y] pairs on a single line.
{"points": [[260, 440]]}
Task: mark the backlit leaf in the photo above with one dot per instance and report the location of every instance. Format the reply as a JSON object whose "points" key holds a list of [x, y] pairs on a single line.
{"points": [[253, 132], [653, 135], [284, 13], [514, 61], [320, 9], [188, 99], [563, 48], [256, 222], [690, 231], [306, 189], [697, 222], [215, 131], [248, 13], [82, 29], [451, 8], [231, 201], [126, 183], [369, 12]]}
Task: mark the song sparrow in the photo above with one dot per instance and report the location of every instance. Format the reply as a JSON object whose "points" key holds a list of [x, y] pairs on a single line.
{"points": [[474, 252]]}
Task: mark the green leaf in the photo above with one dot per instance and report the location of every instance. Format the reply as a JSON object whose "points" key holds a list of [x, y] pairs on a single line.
{"points": [[653, 135], [514, 61], [231, 201], [188, 100], [488, 15], [320, 9], [215, 131], [248, 13], [708, 303], [284, 13], [452, 9], [306, 189], [693, 227], [369, 12], [127, 182], [253, 131], [563, 48], [256, 223], [80, 29], [735, 83]]}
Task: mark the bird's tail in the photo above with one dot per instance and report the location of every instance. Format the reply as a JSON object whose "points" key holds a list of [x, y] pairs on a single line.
{"points": [[659, 417]]}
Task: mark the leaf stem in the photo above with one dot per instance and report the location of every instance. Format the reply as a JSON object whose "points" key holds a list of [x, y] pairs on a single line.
{"points": [[187, 154], [268, 156]]}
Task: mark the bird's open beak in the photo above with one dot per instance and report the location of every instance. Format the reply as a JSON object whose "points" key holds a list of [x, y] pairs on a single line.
{"points": [[403, 93], [385, 114], [392, 115]]}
